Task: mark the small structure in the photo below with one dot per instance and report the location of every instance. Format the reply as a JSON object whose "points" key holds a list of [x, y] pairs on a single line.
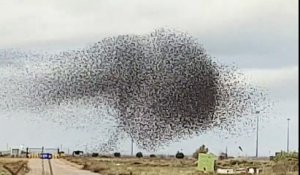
{"points": [[253, 170], [207, 162], [15, 152]]}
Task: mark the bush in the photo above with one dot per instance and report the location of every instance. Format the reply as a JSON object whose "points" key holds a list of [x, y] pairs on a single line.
{"points": [[117, 154], [139, 154], [179, 155], [152, 155], [286, 156], [95, 154], [95, 167]]}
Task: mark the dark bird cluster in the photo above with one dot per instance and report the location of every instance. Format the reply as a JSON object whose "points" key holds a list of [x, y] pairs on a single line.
{"points": [[158, 88]]}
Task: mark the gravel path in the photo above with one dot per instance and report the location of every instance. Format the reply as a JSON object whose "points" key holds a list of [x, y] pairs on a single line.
{"points": [[59, 167]]}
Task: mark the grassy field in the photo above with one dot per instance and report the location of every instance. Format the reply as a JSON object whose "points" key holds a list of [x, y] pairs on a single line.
{"points": [[155, 166], [172, 166], [12, 166], [136, 166], [282, 167]]}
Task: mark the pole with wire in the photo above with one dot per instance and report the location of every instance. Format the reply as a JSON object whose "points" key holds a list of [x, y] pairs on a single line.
{"points": [[288, 135], [131, 146], [257, 126]]}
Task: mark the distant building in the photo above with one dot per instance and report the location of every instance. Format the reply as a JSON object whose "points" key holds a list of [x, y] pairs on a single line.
{"points": [[15, 152]]}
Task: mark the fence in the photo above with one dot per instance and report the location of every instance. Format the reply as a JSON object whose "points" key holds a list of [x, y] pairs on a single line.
{"points": [[36, 152]]}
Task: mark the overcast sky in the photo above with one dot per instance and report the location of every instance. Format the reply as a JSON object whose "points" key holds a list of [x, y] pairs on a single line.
{"points": [[261, 37]]}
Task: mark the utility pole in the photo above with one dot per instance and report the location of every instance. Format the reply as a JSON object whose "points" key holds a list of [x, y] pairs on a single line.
{"points": [[288, 135], [257, 125], [131, 146], [86, 149]]}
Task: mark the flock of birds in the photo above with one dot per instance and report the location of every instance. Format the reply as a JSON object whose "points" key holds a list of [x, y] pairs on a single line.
{"points": [[155, 88]]}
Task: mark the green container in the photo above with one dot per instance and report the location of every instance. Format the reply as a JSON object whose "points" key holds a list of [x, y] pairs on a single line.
{"points": [[206, 162]]}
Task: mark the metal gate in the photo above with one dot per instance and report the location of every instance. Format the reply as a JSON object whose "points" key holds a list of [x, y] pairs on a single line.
{"points": [[36, 152]]}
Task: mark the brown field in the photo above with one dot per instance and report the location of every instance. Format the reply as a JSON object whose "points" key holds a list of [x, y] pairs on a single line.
{"points": [[13, 166], [152, 166], [172, 166]]}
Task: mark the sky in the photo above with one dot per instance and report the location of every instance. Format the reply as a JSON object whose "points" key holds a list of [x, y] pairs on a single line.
{"points": [[260, 37]]}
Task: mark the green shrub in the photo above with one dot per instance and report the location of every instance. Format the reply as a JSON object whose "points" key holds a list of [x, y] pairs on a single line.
{"points": [[139, 154], [179, 155], [117, 154], [152, 155]]}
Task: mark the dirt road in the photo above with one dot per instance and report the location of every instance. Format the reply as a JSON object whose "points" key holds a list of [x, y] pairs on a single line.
{"points": [[59, 167]]}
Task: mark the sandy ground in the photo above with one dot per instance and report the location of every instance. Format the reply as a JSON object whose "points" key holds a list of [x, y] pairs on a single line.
{"points": [[59, 167]]}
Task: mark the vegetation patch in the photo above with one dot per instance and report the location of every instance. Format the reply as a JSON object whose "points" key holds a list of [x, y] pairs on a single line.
{"points": [[9, 166]]}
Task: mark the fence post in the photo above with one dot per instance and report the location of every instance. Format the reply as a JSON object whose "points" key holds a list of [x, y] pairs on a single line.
{"points": [[27, 152]]}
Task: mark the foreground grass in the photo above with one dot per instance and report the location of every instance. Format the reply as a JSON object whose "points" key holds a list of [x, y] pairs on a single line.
{"points": [[282, 167], [136, 166], [171, 166], [13, 166]]}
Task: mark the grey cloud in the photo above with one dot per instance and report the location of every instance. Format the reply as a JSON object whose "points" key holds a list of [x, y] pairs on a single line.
{"points": [[251, 33]]}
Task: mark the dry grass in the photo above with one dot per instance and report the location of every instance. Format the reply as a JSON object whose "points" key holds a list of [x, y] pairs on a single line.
{"points": [[13, 166], [282, 167], [172, 166], [136, 166]]}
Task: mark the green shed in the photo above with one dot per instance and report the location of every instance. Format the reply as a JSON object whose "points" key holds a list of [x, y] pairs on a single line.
{"points": [[206, 162]]}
